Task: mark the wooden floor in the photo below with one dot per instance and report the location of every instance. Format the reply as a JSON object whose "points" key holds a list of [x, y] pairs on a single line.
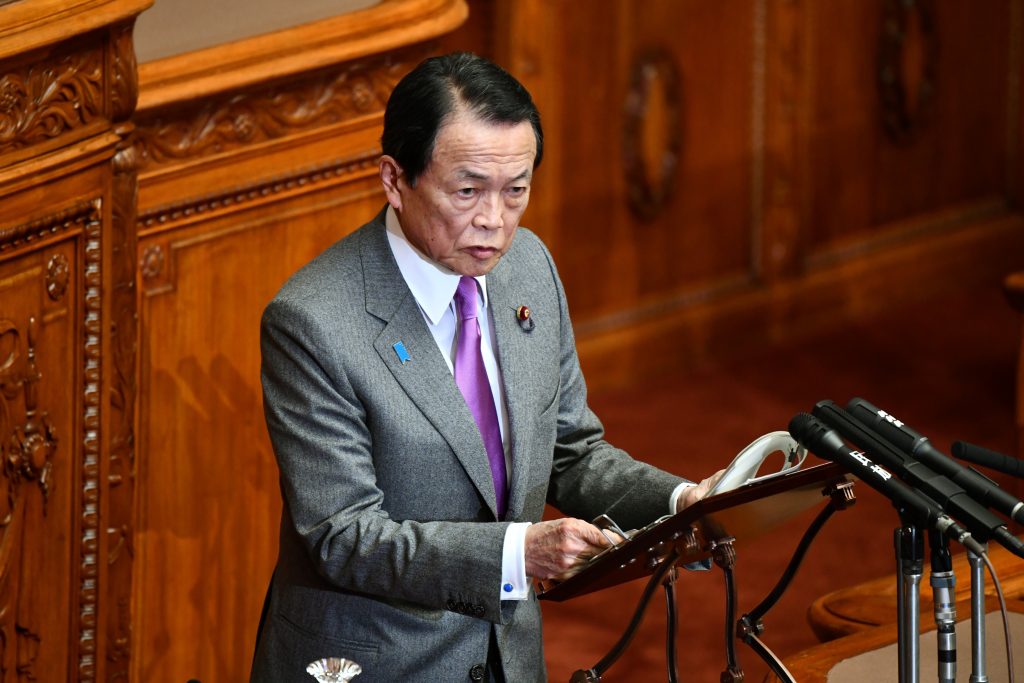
{"points": [[946, 367]]}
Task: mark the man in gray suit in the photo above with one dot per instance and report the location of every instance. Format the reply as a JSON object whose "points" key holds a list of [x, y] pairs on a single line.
{"points": [[424, 400]]}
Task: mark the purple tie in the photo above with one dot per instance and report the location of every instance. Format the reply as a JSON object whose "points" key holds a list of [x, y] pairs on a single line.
{"points": [[471, 378]]}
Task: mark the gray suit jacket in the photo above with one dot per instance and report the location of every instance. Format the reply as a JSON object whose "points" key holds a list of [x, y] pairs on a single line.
{"points": [[390, 547]]}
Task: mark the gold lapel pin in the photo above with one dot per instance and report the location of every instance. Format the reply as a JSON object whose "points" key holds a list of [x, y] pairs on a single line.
{"points": [[523, 316]]}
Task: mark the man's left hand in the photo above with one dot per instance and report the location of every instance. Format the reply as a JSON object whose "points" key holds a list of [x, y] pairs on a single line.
{"points": [[694, 493]]}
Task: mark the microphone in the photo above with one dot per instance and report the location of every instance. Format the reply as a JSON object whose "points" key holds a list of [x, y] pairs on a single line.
{"points": [[917, 446], [951, 498], [826, 443], [991, 459]]}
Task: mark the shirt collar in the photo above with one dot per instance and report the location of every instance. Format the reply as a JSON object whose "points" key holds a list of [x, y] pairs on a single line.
{"points": [[432, 285]]}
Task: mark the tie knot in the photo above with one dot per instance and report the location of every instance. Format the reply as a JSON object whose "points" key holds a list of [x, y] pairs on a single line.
{"points": [[466, 297]]}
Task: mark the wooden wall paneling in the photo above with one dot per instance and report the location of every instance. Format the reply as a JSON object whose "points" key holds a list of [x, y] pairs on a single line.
{"points": [[914, 127], [67, 306], [787, 181], [628, 84], [241, 183], [209, 518], [780, 93]]}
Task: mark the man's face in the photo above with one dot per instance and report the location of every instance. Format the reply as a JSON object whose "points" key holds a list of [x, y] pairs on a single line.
{"points": [[465, 207]]}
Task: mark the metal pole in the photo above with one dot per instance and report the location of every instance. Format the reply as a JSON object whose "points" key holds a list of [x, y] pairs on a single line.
{"points": [[978, 674]]}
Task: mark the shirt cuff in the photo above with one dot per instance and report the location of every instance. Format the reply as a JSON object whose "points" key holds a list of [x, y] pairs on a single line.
{"points": [[514, 584], [673, 501]]}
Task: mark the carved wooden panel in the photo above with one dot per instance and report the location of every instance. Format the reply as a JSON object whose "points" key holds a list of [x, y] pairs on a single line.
{"points": [[48, 98], [67, 340], [222, 124], [43, 447]]}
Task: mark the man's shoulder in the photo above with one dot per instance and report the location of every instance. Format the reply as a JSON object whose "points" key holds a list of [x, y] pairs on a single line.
{"points": [[529, 250]]}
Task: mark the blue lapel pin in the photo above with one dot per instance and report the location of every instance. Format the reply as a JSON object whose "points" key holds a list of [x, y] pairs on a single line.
{"points": [[401, 352]]}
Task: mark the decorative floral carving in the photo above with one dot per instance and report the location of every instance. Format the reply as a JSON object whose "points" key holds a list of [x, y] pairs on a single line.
{"points": [[123, 390], [45, 99], [651, 156], [32, 444], [28, 443], [324, 98], [58, 273], [905, 108], [28, 652], [124, 84], [152, 263]]}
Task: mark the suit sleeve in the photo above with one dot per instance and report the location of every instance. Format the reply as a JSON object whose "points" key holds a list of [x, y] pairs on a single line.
{"points": [[335, 510], [590, 476]]}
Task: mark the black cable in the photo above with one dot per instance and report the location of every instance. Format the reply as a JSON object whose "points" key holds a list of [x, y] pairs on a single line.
{"points": [[670, 631]]}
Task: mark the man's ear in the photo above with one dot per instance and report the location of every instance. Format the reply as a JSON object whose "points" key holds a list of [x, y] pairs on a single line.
{"points": [[390, 172]]}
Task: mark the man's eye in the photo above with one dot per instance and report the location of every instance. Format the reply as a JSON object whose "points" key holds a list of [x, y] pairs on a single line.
{"points": [[466, 192], [517, 190]]}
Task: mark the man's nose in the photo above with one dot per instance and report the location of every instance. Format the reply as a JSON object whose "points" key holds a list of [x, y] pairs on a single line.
{"points": [[489, 215]]}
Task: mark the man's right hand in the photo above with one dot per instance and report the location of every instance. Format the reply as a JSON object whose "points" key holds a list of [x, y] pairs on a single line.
{"points": [[559, 548]]}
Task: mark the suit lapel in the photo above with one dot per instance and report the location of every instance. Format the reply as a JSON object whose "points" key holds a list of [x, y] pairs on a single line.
{"points": [[424, 376], [514, 360]]}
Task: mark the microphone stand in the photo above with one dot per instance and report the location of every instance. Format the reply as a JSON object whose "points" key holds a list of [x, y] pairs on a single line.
{"points": [[978, 674], [909, 543], [943, 582]]}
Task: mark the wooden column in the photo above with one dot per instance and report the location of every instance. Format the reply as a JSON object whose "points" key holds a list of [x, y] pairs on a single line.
{"points": [[67, 339]]}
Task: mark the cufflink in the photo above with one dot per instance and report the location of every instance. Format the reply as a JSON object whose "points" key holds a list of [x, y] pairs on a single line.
{"points": [[507, 587]]}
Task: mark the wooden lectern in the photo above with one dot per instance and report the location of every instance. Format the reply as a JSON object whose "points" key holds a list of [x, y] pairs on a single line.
{"points": [[706, 531]]}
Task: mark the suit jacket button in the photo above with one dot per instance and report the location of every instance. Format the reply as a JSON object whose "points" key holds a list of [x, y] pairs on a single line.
{"points": [[477, 672], [478, 610], [451, 605]]}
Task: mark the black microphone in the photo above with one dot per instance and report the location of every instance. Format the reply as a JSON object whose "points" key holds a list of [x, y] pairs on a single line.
{"points": [[826, 443], [951, 498], [991, 459], [904, 438]]}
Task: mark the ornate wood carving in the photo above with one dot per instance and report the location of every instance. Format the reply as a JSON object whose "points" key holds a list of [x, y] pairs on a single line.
{"points": [[91, 425], [123, 340], [70, 219], [651, 155], [152, 262], [58, 273], [29, 444], [44, 99], [332, 96], [907, 57], [124, 79]]}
